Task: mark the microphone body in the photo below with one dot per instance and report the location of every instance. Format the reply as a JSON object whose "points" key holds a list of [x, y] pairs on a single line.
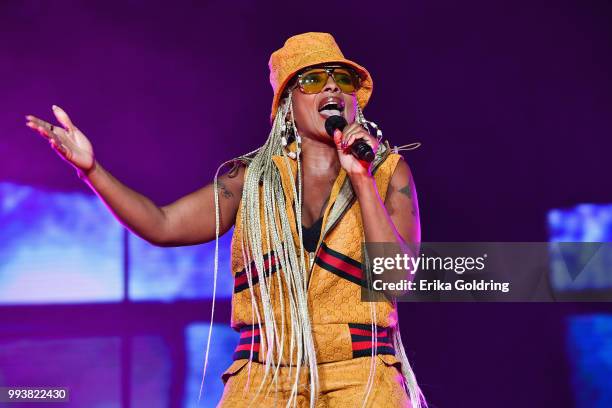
{"points": [[360, 149]]}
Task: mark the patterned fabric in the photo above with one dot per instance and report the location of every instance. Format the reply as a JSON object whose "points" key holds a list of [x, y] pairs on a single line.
{"points": [[240, 278], [342, 385], [335, 277], [339, 264], [303, 50], [249, 340], [332, 341], [361, 336]]}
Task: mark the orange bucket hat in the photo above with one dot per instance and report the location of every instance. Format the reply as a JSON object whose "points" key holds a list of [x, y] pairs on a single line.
{"points": [[303, 50]]}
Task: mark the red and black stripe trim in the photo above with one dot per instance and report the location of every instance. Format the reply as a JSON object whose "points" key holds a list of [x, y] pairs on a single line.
{"points": [[362, 342], [249, 336], [340, 264], [240, 279]]}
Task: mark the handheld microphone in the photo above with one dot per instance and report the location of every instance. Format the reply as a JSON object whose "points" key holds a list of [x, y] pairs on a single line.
{"points": [[359, 148]]}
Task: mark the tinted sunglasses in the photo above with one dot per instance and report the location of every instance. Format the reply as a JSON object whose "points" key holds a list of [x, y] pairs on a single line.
{"points": [[313, 80]]}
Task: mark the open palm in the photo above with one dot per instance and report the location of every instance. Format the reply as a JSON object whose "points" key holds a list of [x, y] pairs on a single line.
{"points": [[67, 140]]}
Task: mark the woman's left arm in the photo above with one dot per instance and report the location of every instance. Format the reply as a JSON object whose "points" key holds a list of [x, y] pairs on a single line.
{"points": [[394, 219]]}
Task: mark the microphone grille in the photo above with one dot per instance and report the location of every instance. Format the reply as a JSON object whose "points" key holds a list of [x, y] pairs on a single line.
{"points": [[334, 122]]}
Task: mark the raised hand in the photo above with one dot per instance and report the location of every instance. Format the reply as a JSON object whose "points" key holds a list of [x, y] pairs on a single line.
{"points": [[344, 140], [67, 140]]}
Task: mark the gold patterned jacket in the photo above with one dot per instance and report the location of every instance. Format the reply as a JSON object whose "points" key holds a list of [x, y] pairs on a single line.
{"points": [[341, 322]]}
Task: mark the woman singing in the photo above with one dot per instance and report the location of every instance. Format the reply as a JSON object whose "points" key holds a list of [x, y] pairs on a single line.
{"points": [[302, 205]]}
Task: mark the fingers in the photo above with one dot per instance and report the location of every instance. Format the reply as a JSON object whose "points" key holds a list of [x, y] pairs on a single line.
{"points": [[59, 148], [54, 134], [345, 140], [38, 124], [355, 132], [354, 129], [44, 128], [338, 137], [63, 118]]}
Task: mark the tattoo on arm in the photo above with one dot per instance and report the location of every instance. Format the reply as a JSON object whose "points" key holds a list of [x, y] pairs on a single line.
{"points": [[406, 190], [224, 190]]}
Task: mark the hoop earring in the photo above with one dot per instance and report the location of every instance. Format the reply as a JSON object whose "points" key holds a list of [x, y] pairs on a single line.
{"points": [[289, 131], [367, 123]]}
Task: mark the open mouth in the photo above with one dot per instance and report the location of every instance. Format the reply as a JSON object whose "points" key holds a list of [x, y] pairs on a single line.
{"points": [[331, 106]]}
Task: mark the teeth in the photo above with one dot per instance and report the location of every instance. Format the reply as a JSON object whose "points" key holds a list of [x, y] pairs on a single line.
{"points": [[332, 104], [330, 112]]}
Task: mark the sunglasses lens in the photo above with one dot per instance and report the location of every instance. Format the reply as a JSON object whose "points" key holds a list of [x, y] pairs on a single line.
{"points": [[346, 81], [313, 81]]}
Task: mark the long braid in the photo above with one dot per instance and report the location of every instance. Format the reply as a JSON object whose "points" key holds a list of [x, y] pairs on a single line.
{"points": [[290, 261], [417, 399]]}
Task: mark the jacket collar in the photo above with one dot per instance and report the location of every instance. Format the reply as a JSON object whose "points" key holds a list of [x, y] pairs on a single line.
{"points": [[342, 194]]}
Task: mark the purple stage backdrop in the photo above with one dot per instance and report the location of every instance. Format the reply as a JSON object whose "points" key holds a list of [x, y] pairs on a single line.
{"points": [[511, 100]]}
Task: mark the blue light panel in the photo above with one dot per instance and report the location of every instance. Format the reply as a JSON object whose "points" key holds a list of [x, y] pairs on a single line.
{"points": [[57, 247], [222, 345], [590, 351], [167, 274], [581, 252]]}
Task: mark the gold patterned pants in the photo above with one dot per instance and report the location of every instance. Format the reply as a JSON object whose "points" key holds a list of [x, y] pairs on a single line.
{"points": [[342, 384]]}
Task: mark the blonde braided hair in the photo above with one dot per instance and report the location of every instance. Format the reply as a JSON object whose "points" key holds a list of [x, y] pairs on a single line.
{"points": [[262, 173]]}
